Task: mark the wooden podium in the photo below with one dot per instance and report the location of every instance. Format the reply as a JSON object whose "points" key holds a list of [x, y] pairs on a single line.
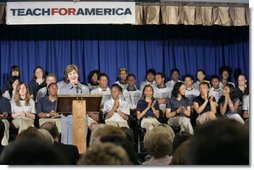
{"points": [[78, 105]]}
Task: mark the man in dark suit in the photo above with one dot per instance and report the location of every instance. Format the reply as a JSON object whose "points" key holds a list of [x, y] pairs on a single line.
{"points": [[70, 151]]}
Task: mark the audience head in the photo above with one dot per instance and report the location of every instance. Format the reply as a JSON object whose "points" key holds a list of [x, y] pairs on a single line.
{"points": [[242, 80], [175, 74], [230, 90], [15, 70], [22, 92], [148, 91], [32, 151], [150, 75], [158, 141], [220, 142], [52, 89], [204, 88], [179, 89], [160, 79], [105, 154], [129, 134], [93, 77], [179, 139], [50, 78], [116, 90], [131, 80], [200, 75], [71, 74], [123, 72], [47, 135], [181, 155], [225, 72], [38, 73], [104, 130], [125, 144], [52, 129], [215, 81], [188, 81], [103, 80]]}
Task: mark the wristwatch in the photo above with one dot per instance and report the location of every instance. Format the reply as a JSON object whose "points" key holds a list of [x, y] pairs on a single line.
{"points": [[47, 115]]}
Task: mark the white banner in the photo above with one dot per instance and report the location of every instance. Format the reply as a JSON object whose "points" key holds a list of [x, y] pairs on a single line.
{"points": [[21, 13]]}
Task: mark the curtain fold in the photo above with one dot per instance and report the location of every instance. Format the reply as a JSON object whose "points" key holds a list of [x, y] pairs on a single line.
{"points": [[138, 48]]}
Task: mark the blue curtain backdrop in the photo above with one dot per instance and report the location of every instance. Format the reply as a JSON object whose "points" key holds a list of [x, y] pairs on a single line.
{"points": [[108, 47]]}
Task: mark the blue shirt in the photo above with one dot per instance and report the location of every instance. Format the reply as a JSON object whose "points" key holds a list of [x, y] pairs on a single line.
{"points": [[200, 101], [5, 105], [45, 105], [142, 105], [228, 111], [174, 104]]}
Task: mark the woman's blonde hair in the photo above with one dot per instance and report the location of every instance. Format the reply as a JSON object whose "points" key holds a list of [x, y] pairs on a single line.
{"points": [[158, 141], [17, 95], [69, 69]]}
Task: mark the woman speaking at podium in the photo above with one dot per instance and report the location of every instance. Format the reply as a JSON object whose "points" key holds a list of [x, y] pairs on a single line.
{"points": [[72, 87]]}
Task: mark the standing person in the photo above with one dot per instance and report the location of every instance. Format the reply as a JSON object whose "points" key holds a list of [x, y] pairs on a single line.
{"points": [[225, 73], [229, 103], [93, 79], [123, 72], [23, 108], [148, 109], [200, 78], [174, 75], [178, 109], [216, 91], [116, 111], [14, 72], [50, 78], [72, 87], [5, 110], [190, 93], [204, 105], [46, 107], [37, 82], [162, 92], [150, 79]]}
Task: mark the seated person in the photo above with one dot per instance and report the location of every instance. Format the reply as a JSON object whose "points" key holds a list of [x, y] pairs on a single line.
{"points": [[161, 92], [246, 104], [46, 107], [178, 109], [204, 105], [116, 111], [200, 78], [229, 102], [10, 92], [50, 78], [123, 72], [37, 82], [23, 108], [5, 109], [148, 109], [215, 90], [93, 80], [225, 72], [103, 88], [150, 79], [14, 75], [131, 94], [174, 75], [190, 93]]}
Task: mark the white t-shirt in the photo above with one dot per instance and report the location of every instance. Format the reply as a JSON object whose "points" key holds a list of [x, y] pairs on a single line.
{"points": [[216, 93], [132, 97]]}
